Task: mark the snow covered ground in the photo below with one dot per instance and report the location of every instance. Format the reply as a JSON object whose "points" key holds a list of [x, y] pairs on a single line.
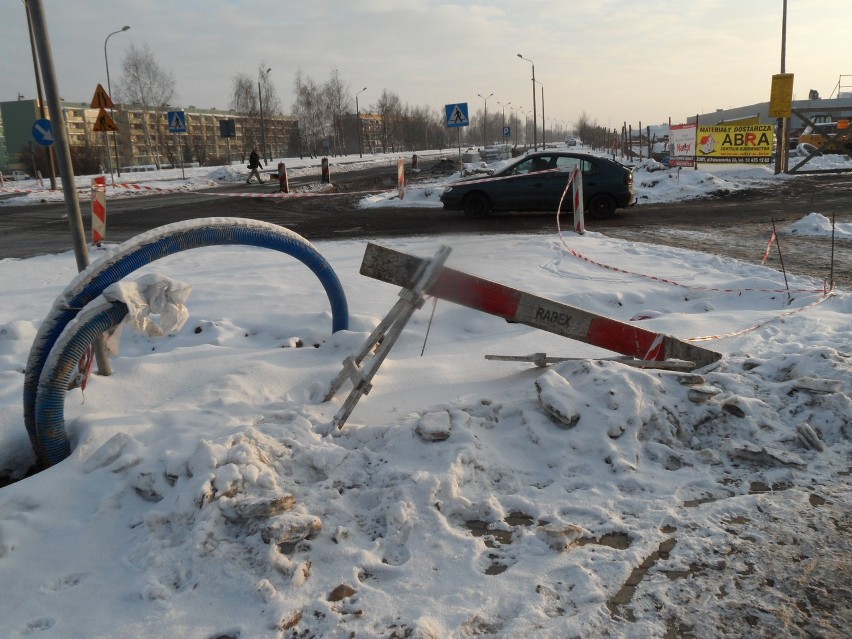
{"points": [[205, 495]]}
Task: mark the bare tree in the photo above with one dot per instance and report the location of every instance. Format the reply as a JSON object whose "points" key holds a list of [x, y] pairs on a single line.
{"points": [[308, 108], [244, 101], [389, 108], [337, 98], [271, 105], [248, 97], [147, 84]]}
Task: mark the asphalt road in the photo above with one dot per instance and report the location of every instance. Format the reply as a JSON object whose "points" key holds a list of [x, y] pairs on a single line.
{"points": [[737, 224]]}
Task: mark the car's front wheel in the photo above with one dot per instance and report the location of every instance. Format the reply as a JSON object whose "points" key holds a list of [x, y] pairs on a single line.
{"points": [[476, 205], [601, 207]]}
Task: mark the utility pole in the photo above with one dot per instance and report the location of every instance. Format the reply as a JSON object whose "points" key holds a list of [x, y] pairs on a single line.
{"points": [[40, 92], [63, 155]]}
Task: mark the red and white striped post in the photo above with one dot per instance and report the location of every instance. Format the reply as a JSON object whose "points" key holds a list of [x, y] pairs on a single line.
{"points": [[283, 182], [400, 177], [577, 183], [98, 210]]}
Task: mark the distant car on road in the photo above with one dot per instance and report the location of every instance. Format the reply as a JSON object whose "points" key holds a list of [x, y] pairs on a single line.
{"points": [[19, 175], [537, 181]]}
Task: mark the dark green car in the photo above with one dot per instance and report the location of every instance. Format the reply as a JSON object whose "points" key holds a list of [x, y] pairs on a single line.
{"points": [[537, 181]]}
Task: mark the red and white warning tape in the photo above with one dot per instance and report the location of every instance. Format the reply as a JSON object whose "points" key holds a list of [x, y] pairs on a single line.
{"points": [[707, 338], [666, 280]]}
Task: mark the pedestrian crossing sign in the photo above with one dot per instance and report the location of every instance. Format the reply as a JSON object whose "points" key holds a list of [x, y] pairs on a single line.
{"points": [[177, 121], [457, 115]]}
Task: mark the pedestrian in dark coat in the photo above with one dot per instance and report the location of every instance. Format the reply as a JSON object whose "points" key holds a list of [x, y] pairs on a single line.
{"points": [[254, 164]]}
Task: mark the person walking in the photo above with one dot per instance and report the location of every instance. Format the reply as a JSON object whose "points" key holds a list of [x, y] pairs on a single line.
{"points": [[254, 163]]}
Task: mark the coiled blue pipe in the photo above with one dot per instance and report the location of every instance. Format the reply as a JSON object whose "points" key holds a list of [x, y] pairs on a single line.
{"points": [[59, 368], [151, 246]]}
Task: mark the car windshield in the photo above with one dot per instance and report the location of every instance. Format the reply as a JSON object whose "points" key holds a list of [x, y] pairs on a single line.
{"points": [[547, 162], [531, 165]]}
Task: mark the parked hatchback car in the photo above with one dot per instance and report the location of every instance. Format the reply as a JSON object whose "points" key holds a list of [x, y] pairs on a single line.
{"points": [[537, 181]]}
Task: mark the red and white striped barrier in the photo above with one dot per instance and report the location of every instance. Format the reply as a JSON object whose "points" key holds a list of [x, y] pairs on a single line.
{"points": [[579, 219], [768, 247], [394, 267], [400, 177], [98, 210]]}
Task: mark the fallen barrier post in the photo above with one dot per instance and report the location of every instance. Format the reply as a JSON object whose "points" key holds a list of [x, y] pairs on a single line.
{"points": [[400, 269]]}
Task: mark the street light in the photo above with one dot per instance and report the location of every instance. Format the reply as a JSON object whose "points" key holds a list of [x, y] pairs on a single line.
{"points": [[515, 121], [358, 117], [524, 113], [109, 90], [543, 126], [535, 140], [263, 74], [504, 113], [485, 122]]}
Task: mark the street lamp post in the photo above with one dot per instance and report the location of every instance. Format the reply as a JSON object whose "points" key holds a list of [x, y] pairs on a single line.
{"points": [[263, 74], [485, 122], [543, 125], [504, 113], [781, 145], [109, 90], [535, 140], [358, 118], [515, 120]]}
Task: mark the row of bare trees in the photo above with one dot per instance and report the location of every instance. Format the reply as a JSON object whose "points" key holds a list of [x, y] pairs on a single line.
{"points": [[322, 110]]}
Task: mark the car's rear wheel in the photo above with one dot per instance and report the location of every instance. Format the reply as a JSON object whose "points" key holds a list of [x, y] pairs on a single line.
{"points": [[601, 207], [476, 205]]}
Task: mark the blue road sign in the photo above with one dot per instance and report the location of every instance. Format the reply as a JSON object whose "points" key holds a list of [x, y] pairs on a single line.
{"points": [[43, 132], [507, 131], [177, 122], [457, 115]]}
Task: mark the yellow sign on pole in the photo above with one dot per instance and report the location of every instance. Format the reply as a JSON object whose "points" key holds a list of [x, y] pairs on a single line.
{"points": [[101, 99], [781, 97], [104, 122]]}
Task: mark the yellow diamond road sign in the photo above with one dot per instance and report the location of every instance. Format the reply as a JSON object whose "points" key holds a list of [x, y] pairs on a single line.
{"points": [[104, 122], [101, 99]]}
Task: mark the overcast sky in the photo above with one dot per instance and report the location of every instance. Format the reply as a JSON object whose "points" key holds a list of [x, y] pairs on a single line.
{"points": [[615, 60]]}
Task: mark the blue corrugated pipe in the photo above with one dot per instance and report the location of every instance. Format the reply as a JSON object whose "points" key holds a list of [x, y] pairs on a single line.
{"points": [[143, 250], [58, 371]]}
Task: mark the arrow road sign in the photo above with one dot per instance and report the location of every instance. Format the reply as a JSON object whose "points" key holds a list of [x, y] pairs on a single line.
{"points": [[43, 132]]}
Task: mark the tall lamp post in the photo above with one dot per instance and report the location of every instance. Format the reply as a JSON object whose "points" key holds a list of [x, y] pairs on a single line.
{"points": [[109, 90], [515, 121], [263, 75], [781, 145], [535, 140], [504, 113], [543, 125], [358, 118], [485, 123]]}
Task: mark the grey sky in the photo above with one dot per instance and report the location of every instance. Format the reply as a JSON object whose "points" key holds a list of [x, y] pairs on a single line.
{"points": [[616, 60]]}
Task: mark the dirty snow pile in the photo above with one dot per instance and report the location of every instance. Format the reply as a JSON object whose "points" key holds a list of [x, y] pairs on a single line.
{"points": [[207, 495]]}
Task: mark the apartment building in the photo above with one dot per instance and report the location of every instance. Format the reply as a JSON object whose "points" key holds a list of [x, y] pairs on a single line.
{"points": [[143, 136]]}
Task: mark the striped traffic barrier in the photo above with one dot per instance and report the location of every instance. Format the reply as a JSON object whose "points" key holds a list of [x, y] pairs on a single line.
{"points": [[394, 267], [98, 210]]}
